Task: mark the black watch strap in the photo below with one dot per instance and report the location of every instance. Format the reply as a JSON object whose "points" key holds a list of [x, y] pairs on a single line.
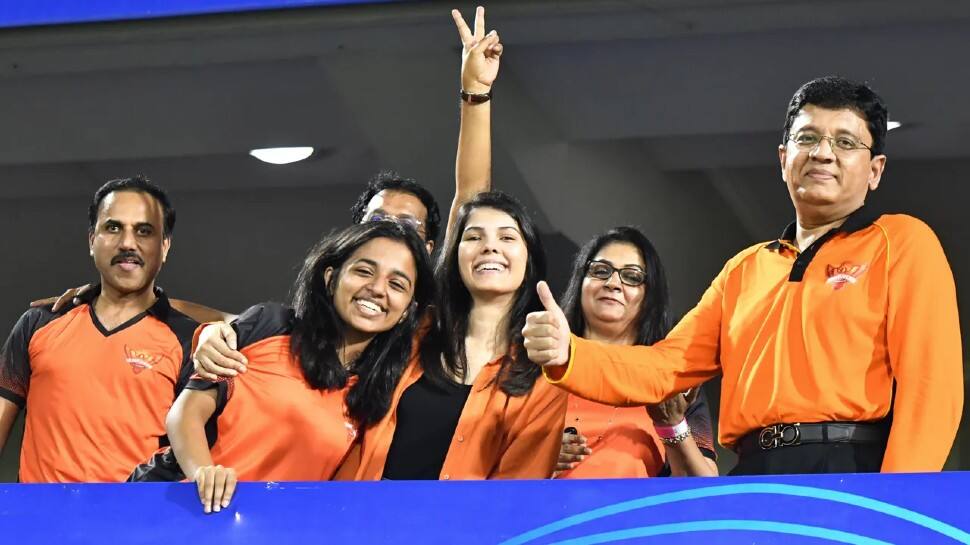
{"points": [[476, 98]]}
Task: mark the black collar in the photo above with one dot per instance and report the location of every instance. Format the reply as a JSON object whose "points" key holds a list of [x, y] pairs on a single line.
{"points": [[856, 221], [160, 309]]}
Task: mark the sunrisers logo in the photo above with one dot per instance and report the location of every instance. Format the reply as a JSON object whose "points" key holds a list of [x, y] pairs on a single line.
{"points": [[846, 273], [139, 360]]}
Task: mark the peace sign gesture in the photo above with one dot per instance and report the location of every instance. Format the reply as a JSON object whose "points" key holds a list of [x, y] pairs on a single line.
{"points": [[480, 53]]}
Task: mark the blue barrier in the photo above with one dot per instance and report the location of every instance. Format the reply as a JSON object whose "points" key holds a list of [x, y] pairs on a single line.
{"points": [[16, 13], [856, 509]]}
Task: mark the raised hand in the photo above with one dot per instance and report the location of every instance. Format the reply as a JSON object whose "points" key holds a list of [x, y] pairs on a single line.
{"points": [[215, 355], [480, 53], [546, 333]]}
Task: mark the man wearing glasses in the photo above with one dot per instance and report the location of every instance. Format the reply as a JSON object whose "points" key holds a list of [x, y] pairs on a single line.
{"points": [[839, 342]]}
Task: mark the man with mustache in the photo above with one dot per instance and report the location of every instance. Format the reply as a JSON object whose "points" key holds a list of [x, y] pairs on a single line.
{"points": [[98, 379], [839, 342]]}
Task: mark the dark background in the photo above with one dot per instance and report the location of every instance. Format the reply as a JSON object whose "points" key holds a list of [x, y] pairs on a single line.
{"points": [[663, 114]]}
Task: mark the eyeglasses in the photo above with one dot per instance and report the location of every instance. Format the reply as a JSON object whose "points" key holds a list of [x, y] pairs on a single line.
{"points": [[601, 270], [413, 223], [809, 141]]}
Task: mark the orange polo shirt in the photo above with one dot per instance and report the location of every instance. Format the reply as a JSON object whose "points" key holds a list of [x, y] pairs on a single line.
{"points": [[498, 436], [96, 400], [813, 336], [271, 424]]}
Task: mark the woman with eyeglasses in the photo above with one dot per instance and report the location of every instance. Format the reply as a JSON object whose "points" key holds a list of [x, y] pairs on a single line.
{"points": [[618, 294], [469, 405]]}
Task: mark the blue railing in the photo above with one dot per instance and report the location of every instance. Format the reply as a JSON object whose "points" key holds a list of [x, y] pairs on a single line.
{"points": [[18, 13], [857, 509]]}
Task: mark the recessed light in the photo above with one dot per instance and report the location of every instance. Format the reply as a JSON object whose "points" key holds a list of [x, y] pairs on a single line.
{"points": [[282, 156], [890, 125]]}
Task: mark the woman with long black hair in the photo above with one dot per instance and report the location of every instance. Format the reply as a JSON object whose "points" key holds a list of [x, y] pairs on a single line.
{"points": [[618, 294], [469, 406], [319, 371]]}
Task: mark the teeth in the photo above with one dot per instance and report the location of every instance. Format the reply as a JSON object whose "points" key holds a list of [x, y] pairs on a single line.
{"points": [[373, 307], [490, 267]]}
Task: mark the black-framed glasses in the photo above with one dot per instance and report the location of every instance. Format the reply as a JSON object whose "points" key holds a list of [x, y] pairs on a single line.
{"points": [[603, 270], [810, 140], [409, 221]]}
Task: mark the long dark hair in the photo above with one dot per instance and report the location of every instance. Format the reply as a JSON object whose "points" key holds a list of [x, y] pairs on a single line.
{"points": [[318, 330], [445, 342], [653, 320]]}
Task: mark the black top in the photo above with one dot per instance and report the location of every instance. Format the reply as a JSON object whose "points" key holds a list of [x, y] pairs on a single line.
{"points": [[427, 416]]}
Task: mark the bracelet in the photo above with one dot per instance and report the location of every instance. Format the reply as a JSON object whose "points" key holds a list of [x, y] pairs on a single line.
{"points": [[669, 432], [677, 439], [475, 98]]}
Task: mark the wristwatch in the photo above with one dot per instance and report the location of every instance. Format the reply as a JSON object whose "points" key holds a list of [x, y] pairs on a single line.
{"points": [[476, 98]]}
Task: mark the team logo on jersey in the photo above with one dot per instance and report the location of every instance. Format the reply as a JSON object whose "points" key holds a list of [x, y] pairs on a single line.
{"points": [[139, 360], [846, 273]]}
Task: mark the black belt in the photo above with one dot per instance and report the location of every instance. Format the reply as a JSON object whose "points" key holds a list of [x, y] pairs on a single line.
{"points": [[789, 435]]}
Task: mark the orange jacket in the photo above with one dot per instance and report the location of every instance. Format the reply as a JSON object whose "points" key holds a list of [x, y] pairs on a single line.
{"points": [[498, 436], [811, 338]]}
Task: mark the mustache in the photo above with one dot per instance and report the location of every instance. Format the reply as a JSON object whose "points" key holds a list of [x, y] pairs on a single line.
{"points": [[125, 256]]}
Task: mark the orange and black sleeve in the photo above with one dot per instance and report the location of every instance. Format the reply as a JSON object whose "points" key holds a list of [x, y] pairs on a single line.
{"points": [[15, 356]]}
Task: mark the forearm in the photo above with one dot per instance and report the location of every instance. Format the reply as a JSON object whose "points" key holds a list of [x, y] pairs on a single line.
{"points": [[201, 313], [626, 375], [186, 430], [686, 460], [473, 160]]}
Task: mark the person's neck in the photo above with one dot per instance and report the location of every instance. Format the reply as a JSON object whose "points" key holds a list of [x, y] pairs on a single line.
{"points": [[608, 335], [114, 308], [354, 345], [809, 227], [487, 322]]}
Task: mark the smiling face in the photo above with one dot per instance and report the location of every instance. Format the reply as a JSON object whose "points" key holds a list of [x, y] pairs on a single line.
{"points": [[374, 287], [826, 183], [128, 243], [492, 253], [611, 307]]}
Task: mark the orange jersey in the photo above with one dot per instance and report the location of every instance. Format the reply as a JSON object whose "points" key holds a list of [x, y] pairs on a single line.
{"points": [[624, 442], [271, 424], [498, 436], [96, 400], [814, 336]]}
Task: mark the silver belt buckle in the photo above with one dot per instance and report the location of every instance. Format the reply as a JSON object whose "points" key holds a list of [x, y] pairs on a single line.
{"points": [[779, 435]]}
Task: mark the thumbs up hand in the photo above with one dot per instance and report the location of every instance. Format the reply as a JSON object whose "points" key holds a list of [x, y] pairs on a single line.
{"points": [[546, 333]]}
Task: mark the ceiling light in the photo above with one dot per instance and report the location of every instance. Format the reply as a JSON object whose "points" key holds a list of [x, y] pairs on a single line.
{"points": [[282, 156], [890, 125]]}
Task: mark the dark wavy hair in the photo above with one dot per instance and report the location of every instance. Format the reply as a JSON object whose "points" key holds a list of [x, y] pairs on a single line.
{"points": [[653, 320], [140, 184], [834, 92], [318, 331], [445, 342], [390, 180]]}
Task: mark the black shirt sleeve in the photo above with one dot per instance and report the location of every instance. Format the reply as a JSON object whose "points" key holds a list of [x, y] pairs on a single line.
{"points": [[699, 419], [15, 356], [262, 321]]}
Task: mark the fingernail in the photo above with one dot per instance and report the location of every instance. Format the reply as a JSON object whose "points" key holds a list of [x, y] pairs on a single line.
{"points": [[225, 503]]}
